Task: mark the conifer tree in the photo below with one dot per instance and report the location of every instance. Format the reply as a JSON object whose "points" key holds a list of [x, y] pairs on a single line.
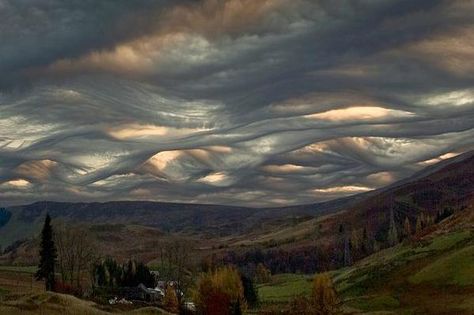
{"points": [[48, 256], [347, 252], [250, 292], [406, 227], [392, 230], [419, 224]]}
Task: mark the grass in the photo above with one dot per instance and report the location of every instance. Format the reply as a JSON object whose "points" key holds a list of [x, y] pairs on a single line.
{"points": [[61, 304], [454, 269], [376, 303], [22, 269], [433, 276], [284, 287]]}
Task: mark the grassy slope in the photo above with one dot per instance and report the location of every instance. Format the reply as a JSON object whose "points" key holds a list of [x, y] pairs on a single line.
{"points": [[60, 304], [435, 276]]}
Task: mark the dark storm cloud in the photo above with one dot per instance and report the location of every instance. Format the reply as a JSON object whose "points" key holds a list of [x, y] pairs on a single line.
{"points": [[236, 101], [35, 33]]}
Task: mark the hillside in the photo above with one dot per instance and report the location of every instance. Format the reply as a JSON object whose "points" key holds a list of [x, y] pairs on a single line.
{"points": [[428, 274], [209, 221], [55, 303], [448, 185]]}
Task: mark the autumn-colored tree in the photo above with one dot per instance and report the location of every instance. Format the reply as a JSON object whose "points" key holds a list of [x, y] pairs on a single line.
{"points": [[324, 298], [170, 301], [262, 274], [218, 292], [301, 305]]}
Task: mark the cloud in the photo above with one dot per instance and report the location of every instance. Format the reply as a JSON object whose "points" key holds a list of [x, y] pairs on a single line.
{"points": [[243, 102]]}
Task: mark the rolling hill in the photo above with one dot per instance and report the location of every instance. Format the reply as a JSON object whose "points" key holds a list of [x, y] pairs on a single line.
{"points": [[446, 185]]}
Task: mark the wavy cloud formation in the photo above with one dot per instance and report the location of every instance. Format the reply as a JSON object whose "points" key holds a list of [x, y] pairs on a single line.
{"points": [[257, 103]]}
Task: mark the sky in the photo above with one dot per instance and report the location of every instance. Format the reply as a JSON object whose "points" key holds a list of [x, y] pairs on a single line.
{"points": [[256, 103]]}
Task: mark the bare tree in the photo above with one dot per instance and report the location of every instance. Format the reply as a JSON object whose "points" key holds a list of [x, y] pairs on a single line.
{"points": [[76, 253], [174, 263]]}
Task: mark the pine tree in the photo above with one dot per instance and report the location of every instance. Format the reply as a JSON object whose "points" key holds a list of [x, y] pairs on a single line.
{"points": [[392, 230], [250, 292], [419, 224], [406, 227], [48, 256], [366, 244], [347, 252], [236, 309]]}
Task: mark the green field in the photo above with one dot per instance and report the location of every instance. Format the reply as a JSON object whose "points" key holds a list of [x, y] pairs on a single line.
{"points": [[431, 277], [284, 287]]}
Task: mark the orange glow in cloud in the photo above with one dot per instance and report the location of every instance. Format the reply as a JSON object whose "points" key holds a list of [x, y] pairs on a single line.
{"points": [[18, 183], [358, 113], [342, 189], [214, 178], [161, 160], [439, 158], [286, 168], [36, 169], [131, 131]]}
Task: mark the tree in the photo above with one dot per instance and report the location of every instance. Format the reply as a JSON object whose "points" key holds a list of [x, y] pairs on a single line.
{"points": [[219, 291], [406, 227], [324, 299], [76, 253], [109, 273], [347, 252], [419, 224], [392, 230], [236, 309], [48, 256], [174, 263], [366, 244], [250, 292], [170, 301], [262, 274]]}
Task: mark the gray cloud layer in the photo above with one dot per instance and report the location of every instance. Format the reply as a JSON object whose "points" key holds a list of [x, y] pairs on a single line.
{"points": [[238, 102]]}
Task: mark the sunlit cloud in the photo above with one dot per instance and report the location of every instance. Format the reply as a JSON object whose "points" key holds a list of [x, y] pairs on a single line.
{"points": [[241, 102], [18, 183], [439, 158], [286, 168], [455, 98], [216, 179], [342, 190], [162, 160], [358, 113], [132, 131], [39, 170]]}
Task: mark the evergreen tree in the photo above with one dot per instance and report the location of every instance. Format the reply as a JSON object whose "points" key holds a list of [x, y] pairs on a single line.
{"points": [[250, 292], [392, 230], [347, 252], [406, 227], [419, 224], [48, 256], [366, 244], [236, 309]]}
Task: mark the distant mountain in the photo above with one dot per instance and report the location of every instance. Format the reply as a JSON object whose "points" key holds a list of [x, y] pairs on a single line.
{"points": [[448, 183]]}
